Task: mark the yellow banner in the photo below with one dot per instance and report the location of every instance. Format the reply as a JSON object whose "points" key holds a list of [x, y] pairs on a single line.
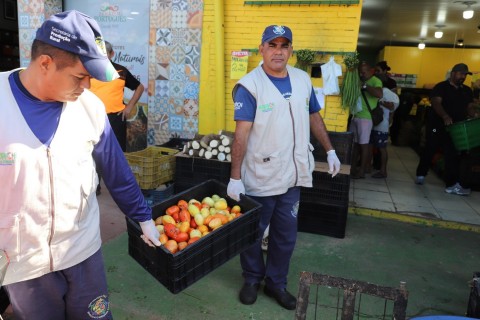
{"points": [[239, 64]]}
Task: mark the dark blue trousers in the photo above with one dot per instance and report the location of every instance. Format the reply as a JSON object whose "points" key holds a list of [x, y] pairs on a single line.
{"points": [[76, 293], [280, 212]]}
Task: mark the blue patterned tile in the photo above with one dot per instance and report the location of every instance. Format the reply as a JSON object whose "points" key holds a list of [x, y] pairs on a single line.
{"points": [[175, 123], [179, 5], [191, 90], [24, 21], [176, 105], [190, 125], [192, 55], [163, 104], [177, 72], [176, 89], [195, 5], [164, 37], [161, 88]]}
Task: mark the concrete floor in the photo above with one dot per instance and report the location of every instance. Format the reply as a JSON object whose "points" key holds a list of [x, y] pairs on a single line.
{"points": [[424, 237]]}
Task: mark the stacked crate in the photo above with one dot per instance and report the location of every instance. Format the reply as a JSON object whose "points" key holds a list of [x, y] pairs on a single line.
{"points": [[324, 207]]}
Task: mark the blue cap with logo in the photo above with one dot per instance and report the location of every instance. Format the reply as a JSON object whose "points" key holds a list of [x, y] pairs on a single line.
{"points": [[274, 32], [80, 34]]}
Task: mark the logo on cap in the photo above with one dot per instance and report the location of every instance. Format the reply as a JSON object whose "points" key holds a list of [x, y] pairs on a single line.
{"points": [[278, 30]]}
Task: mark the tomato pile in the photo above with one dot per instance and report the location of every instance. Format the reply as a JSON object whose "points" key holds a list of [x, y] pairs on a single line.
{"points": [[187, 222]]}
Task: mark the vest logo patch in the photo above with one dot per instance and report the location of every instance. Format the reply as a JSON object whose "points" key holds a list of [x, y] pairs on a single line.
{"points": [[7, 158], [266, 107], [99, 307]]}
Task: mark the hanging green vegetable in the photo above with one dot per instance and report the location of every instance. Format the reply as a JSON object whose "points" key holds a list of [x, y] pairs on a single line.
{"points": [[304, 58], [350, 90]]}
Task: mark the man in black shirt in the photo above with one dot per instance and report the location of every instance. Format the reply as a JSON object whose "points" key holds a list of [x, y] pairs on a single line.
{"points": [[451, 102]]}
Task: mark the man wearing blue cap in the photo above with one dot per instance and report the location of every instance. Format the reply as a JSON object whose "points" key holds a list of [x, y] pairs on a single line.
{"points": [[275, 111], [54, 133]]}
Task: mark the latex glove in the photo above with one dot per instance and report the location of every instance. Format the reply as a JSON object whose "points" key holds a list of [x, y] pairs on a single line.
{"points": [[150, 233], [333, 163], [234, 188]]}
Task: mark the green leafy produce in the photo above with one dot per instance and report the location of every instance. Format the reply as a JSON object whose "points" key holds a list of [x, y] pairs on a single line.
{"points": [[350, 90], [304, 58]]}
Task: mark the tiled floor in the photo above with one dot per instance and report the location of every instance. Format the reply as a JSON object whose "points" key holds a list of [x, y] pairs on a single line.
{"points": [[399, 194]]}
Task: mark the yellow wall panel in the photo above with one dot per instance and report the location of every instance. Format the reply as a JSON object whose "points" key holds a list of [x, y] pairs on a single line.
{"points": [[431, 65], [318, 27]]}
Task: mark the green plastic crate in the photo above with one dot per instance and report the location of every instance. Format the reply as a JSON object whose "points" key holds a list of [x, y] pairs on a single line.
{"points": [[465, 134]]}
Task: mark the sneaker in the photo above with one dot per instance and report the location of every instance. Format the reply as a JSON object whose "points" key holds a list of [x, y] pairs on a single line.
{"points": [[420, 180], [458, 190], [265, 243]]}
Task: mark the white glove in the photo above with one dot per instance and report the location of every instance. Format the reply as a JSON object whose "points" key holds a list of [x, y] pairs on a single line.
{"points": [[234, 188], [333, 163], [150, 233]]}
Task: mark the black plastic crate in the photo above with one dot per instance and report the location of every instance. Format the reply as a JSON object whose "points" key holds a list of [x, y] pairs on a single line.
{"points": [[323, 219], [190, 171], [342, 142], [175, 143], [180, 270], [327, 190]]}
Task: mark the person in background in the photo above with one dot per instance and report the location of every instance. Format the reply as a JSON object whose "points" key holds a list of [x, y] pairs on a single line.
{"points": [[381, 72], [452, 101], [54, 130], [379, 135], [111, 93], [361, 124], [275, 111]]}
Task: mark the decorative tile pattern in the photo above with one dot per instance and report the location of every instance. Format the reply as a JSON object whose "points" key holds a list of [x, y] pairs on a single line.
{"points": [[192, 73], [161, 18], [175, 123], [176, 105], [190, 125], [179, 5], [195, 5], [177, 72], [194, 20], [177, 54], [179, 36], [164, 37], [190, 108], [162, 72], [192, 56], [162, 54], [191, 90], [164, 5], [176, 89], [163, 104], [193, 37], [161, 88], [179, 19], [24, 20]]}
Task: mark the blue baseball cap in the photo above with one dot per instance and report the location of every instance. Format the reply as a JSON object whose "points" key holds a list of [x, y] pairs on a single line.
{"points": [[80, 34], [274, 32]]}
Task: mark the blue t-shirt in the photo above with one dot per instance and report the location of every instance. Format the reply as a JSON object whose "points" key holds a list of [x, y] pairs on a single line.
{"points": [[246, 105]]}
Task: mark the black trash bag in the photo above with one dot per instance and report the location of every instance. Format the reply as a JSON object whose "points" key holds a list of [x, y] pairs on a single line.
{"points": [[473, 308]]}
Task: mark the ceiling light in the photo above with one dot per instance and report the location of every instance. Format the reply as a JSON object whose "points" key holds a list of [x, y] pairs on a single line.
{"points": [[421, 45], [468, 14], [460, 42], [438, 34]]}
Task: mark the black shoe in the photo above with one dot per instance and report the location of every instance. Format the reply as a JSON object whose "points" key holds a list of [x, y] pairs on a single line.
{"points": [[248, 293], [283, 297]]}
